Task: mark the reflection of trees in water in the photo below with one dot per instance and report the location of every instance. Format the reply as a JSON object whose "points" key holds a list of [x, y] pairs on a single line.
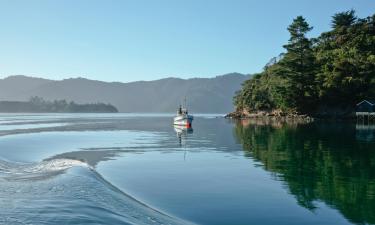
{"points": [[365, 132], [317, 162]]}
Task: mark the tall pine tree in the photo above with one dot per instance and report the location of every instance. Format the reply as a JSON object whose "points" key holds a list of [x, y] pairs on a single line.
{"points": [[298, 67]]}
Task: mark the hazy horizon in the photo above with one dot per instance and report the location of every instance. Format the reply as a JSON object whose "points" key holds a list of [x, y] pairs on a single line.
{"points": [[115, 81]]}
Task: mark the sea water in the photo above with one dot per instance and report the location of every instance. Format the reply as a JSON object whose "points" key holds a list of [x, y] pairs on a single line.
{"points": [[139, 169]]}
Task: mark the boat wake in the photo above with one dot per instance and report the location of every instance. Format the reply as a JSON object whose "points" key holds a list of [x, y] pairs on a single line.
{"points": [[12, 171], [67, 191]]}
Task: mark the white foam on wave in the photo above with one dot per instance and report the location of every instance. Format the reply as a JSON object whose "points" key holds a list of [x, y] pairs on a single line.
{"points": [[55, 165], [45, 168]]}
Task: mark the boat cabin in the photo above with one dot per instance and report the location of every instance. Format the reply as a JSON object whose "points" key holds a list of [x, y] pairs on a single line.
{"points": [[182, 111]]}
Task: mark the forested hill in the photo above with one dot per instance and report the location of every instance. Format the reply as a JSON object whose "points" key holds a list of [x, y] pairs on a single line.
{"points": [[39, 105], [204, 95], [325, 75]]}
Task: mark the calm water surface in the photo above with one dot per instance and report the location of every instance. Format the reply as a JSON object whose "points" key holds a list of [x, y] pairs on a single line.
{"points": [[139, 169]]}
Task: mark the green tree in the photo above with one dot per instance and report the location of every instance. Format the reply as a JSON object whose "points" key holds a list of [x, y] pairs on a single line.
{"points": [[345, 55], [343, 19], [298, 66]]}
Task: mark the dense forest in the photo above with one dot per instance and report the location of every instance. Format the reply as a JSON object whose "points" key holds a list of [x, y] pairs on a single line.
{"points": [[317, 76], [37, 104]]}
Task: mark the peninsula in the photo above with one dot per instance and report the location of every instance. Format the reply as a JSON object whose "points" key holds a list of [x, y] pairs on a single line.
{"points": [[317, 77]]}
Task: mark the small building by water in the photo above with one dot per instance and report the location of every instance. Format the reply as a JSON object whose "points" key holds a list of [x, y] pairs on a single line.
{"points": [[366, 110]]}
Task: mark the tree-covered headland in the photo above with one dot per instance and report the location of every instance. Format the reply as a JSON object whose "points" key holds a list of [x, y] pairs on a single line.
{"points": [[319, 76]]}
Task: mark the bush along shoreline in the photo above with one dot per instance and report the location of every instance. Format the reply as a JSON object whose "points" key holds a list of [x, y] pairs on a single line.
{"points": [[323, 77]]}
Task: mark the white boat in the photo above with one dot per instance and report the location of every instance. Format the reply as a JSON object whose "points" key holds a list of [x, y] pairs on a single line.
{"points": [[183, 118]]}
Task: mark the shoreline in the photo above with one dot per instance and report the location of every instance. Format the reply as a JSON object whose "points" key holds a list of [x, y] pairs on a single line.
{"points": [[279, 116]]}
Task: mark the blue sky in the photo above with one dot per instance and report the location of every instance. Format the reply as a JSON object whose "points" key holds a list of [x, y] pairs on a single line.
{"points": [[147, 40]]}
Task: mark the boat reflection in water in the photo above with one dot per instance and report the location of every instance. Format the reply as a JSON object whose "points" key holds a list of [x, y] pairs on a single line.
{"points": [[182, 133]]}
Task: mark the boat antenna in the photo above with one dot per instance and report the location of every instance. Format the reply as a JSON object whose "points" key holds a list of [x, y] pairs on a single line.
{"points": [[185, 102]]}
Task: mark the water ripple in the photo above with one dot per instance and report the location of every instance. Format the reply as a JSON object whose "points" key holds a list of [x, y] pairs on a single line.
{"points": [[66, 191]]}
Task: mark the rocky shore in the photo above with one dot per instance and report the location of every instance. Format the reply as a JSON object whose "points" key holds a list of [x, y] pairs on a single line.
{"points": [[280, 115], [276, 114]]}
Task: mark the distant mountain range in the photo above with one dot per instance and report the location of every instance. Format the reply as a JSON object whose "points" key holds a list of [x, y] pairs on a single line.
{"points": [[204, 95]]}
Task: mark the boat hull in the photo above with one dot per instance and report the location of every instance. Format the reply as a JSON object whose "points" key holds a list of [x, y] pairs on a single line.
{"points": [[183, 120]]}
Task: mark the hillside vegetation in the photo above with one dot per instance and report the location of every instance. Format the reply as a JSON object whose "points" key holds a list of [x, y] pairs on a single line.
{"points": [[319, 76]]}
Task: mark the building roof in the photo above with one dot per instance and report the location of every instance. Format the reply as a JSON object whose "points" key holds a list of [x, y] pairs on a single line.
{"points": [[371, 102]]}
